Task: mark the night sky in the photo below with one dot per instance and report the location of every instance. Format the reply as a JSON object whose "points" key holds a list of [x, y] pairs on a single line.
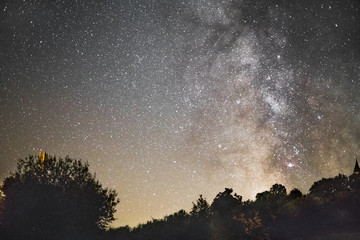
{"points": [[170, 99]]}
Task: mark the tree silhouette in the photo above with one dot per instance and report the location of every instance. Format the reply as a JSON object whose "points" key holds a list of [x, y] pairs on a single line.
{"points": [[55, 199], [272, 199], [1, 213], [295, 194], [329, 187], [201, 209], [226, 202], [199, 226], [270, 206], [226, 212], [278, 191]]}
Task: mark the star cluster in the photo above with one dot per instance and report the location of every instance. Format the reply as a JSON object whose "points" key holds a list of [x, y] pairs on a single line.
{"points": [[167, 100]]}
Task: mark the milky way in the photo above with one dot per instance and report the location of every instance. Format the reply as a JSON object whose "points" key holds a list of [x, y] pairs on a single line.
{"points": [[167, 100]]}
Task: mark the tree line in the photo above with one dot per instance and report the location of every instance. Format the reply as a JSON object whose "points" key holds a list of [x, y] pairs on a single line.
{"points": [[331, 208], [61, 199]]}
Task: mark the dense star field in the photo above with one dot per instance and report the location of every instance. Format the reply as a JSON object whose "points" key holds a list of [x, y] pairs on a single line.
{"points": [[167, 100]]}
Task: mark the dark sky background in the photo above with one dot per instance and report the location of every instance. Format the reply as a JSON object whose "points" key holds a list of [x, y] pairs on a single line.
{"points": [[169, 99]]}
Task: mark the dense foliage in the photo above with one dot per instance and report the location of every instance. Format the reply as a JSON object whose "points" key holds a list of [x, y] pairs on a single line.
{"points": [[55, 199]]}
